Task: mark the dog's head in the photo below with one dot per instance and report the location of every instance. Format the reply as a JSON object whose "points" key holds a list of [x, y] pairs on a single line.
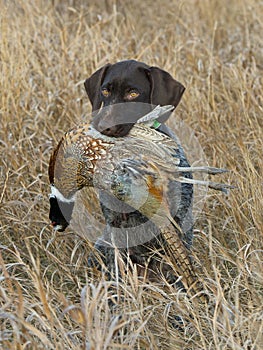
{"points": [[142, 86]]}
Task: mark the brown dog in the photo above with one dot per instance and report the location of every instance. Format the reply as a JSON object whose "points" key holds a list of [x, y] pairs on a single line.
{"points": [[116, 88]]}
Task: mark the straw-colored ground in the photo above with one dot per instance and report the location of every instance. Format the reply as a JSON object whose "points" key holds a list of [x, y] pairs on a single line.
{"points": [[49, 299]]}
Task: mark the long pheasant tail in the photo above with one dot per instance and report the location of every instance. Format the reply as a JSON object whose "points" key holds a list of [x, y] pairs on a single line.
{"points": [[180, 257]]}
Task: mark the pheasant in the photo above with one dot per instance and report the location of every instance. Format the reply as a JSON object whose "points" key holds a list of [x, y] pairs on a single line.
{"points": [[136, 169]]}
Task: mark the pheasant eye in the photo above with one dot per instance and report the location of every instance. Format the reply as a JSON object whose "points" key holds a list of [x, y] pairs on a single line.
{"points": [[105, 92]]}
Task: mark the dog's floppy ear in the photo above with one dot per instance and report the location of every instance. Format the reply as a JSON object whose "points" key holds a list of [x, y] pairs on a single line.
{"points": [[93, 84], [165, 90]]}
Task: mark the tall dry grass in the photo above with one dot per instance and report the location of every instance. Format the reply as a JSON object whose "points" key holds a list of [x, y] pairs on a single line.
{"points": [[49, 300]]}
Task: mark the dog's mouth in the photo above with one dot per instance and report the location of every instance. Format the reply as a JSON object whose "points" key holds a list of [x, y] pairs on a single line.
{"points": [[118, 130], [116, 120]]}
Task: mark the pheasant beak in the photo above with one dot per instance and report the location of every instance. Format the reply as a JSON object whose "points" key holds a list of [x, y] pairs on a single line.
{"points": [[57, 227], [60, 213]]}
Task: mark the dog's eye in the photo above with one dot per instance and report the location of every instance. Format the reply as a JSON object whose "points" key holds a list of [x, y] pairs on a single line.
{"points": [[132, 95], [105, 92]]}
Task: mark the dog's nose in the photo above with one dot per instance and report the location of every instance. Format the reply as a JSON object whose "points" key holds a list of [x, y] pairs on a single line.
{"points": [[105, 128], [108, 130]]}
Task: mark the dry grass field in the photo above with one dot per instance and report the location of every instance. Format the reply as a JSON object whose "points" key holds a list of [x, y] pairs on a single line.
{"points": [[49, 299]]}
